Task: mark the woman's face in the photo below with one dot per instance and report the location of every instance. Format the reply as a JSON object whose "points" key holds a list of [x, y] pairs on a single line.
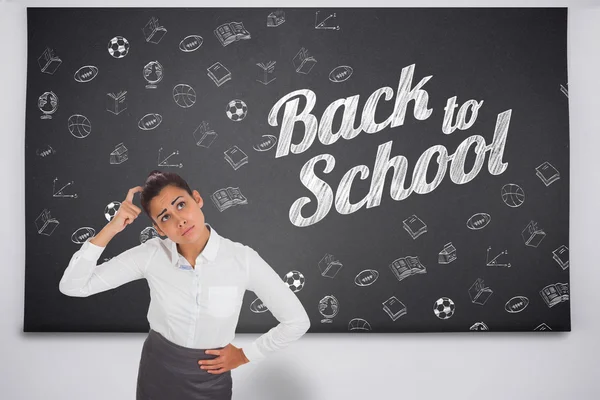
{"points": [[174, 212]]}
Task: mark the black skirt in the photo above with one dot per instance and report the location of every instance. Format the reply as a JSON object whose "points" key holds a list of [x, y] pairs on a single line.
{"points": [[169, 371]]}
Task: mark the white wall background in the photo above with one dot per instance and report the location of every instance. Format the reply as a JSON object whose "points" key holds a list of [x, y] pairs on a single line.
{"points": [[322, 366]]}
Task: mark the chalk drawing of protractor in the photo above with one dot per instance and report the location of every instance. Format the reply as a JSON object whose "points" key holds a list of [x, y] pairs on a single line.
{"points": [[59, 192], [164, 162], [494, 261], [326, 23]]}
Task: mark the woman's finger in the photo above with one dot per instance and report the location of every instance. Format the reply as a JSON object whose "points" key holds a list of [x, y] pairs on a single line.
{"points": [[131, 208], [131, 192]]}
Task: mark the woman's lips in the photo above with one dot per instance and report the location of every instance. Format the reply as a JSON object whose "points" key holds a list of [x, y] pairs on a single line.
{"points": [[188, 230]]}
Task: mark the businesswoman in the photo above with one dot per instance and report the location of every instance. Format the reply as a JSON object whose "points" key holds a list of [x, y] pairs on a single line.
{"points": [[197, 279]]}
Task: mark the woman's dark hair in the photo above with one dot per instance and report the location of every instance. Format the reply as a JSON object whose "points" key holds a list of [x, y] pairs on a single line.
{"points": [[155, 182]]}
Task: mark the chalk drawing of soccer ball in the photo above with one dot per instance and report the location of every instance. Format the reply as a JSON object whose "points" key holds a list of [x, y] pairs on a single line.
{"points": [[443, 308], [118, 47], [294, 280], [236, 110], [111, 210]]}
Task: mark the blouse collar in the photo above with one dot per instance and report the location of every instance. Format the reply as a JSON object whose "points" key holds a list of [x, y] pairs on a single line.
{"points": [[209, 252]]}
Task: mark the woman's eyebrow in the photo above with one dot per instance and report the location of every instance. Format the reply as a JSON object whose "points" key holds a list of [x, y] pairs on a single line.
{"points": [[166, 209]]}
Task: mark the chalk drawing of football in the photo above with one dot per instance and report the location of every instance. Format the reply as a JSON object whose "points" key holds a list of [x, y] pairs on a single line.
{"points": [[257, 306], [478, 221], [191, 43], [516, 304], [294, 280], [86, 73], [82, 234], [267, 143], [150, 121], [340, 74], [366, 277]]}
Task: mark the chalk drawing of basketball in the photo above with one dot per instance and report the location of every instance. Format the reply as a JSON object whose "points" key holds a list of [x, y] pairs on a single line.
{"points": [[79, 126], [184, 95], [512, 195]]}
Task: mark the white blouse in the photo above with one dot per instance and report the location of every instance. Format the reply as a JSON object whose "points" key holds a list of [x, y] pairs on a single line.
{"points": [[194, 307]]}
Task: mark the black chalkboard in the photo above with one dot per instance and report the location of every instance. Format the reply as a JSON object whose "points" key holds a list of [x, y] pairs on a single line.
{"points": [[469, 230]]}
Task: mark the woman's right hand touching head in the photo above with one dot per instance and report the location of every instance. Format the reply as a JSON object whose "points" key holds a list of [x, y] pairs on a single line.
{"points": [[127, 212]]}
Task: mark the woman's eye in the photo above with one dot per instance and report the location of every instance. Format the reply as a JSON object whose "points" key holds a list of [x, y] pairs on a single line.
{"points": [[166, 215]]}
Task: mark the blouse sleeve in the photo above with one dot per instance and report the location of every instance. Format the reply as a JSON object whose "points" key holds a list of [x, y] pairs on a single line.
{"points": [[281, 302], [84, 277]]}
